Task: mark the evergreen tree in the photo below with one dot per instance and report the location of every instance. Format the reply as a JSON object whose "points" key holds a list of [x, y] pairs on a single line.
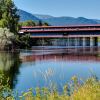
{"points": [[8, 15]]}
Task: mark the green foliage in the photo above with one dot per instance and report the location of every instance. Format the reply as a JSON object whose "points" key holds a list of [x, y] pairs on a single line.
{"points": [[5, 90], [45, 24], [41, 23], [9, 41], [33, 23], [6, 38], [8, 15], [22, 41], [27, 23], [89, 90], [43, 42], [9, 20]]}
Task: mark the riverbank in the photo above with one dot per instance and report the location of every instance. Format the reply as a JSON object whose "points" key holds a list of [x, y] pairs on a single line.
{"points": [[88, 90]]}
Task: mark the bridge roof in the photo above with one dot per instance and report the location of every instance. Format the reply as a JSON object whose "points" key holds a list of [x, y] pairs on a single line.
{"points": [[61, 30], [67, 26]]}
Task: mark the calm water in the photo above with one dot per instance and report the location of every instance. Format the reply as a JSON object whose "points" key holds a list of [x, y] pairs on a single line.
{"points": [[48, 66]]}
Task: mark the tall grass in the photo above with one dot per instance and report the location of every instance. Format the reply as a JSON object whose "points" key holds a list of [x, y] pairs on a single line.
{"points": [[76, 90]]}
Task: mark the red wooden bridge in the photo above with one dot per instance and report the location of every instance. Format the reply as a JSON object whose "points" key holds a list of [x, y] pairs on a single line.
{"points": [[73, 32]]}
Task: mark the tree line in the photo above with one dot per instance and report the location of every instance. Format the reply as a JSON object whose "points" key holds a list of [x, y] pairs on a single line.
{"points": [[8, 16], [33, 23], [10, 25]]}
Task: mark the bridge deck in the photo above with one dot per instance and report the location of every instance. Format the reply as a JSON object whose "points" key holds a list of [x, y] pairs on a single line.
{"points": [[62, 31]]}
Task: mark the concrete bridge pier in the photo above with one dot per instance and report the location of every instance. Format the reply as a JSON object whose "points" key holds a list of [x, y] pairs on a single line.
{"points": [[91, 41], [91, 44], [87, 42], [82, 42], [68, 42], [76, 44]]}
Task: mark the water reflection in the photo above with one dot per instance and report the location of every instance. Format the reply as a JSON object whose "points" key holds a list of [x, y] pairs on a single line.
{"points": [[9, 66], [46, 66], [58, 54]]}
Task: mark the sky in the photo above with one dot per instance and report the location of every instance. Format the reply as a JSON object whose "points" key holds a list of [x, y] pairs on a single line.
{"points": [[72, 8]]}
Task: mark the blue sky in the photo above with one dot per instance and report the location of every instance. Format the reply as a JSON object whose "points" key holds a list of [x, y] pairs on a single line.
{"points": [[73, 8]]}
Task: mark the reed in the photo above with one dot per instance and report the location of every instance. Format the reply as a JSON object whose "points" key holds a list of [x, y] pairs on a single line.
{"points": [[76, 90]]}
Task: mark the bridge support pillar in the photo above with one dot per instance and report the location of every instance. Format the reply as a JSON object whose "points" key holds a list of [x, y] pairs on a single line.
{"points": [[68, 42], [91, 42], [84, 41], [76, 42]]}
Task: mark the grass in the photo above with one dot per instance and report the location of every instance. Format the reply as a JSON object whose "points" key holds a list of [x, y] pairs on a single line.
{"points": [[77, 89]]}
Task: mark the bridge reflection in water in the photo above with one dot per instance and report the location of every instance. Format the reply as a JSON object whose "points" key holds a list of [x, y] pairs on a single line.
{"points": [[69, 54], [43, 66]]}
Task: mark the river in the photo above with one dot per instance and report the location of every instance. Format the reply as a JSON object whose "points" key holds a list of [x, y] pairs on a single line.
{"points": [[48, 66]]}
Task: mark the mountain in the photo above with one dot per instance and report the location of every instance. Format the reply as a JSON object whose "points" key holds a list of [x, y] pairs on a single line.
{"points": [[98, 21], [56, 20], [66, 20], [40, 16], [69, 21], [24, 16]]}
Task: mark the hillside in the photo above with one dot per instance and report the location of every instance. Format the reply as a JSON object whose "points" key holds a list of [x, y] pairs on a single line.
{"points": [[69, 21], [40, 16], [56, 20], [24, 16]]}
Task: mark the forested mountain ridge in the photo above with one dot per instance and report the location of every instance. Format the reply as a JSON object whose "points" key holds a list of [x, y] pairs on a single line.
{"points": [[24, 16]]}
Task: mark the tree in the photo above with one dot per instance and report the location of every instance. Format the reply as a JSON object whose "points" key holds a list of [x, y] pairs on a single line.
{"points": [[45, 24], [1, 2], [8, 15], [28, 23], [40, 23], [6, 38], [9, 26]]}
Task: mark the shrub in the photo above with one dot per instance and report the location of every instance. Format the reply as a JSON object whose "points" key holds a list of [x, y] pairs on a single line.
{"points": [[88, 90], [6, 38]]}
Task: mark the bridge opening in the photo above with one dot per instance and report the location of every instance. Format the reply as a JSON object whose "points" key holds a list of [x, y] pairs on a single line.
{"points": [[96, 41]]}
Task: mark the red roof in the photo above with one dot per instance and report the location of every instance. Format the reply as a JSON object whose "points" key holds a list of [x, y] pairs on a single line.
{"points": [[88, 25]]}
